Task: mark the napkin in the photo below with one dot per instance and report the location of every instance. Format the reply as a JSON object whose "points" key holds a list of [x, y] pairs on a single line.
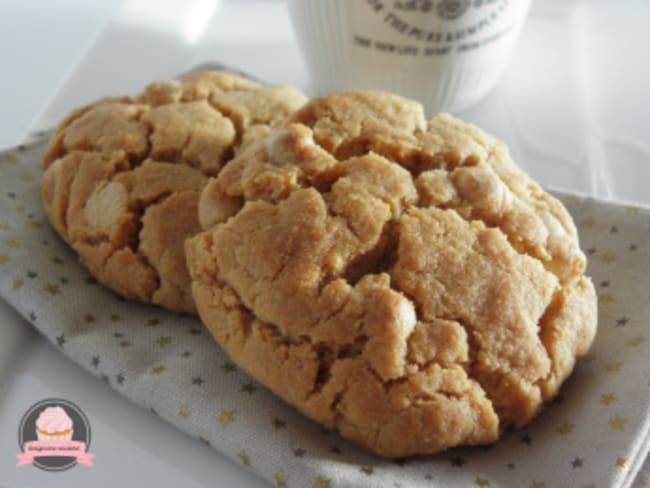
{"points": [[595, 434]]}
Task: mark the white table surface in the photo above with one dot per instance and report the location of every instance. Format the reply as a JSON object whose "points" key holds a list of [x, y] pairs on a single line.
{"points": [[573, 106]]}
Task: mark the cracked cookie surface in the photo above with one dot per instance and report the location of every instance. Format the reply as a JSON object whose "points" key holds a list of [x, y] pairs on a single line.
{"points": [[402, 281], [122, 177]]}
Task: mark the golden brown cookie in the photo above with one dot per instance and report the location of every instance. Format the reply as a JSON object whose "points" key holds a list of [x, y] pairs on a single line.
{"points": [[399, 280], [122, 177]]}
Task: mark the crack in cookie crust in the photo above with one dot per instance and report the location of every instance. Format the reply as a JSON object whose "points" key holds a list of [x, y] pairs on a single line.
{"points": [[122, 176], [455, 280]]}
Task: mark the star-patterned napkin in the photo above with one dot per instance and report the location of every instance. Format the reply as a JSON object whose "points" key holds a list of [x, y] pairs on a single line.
{"points": [[594, 435]]}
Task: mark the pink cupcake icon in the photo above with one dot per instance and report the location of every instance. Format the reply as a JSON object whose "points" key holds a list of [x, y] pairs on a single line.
{"points": [[54, 424]]}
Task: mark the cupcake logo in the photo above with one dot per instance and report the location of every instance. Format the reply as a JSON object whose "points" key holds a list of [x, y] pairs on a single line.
{"points": [[54, 435]]}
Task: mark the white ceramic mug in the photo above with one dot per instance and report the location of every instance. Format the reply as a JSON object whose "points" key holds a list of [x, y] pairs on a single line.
{"points": [[447, 54]]}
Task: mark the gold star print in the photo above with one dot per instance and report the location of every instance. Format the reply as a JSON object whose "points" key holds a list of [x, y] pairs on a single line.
{"points": [[537, 484], [614, 367], [322, 483], [604, 298], [573, 199], [621, 463], [4, 226], [588, 222], [89, 318], [608, 398], [565, 428], [481, 482], [280, 478], [617, 423], [27, 178], [622, 322], [11, 158], [18, 284], [12, 243], [632, 210], [225, 417], [608, 258], [228, 367], [3, 258], [248, 388], [279, 424], [457, 461], [635, 341], [36, 224], [164, 341], [20, 210], [52, 289], [367, 470], [124, 343], [244, 457], [157, 370], [184, 412]]}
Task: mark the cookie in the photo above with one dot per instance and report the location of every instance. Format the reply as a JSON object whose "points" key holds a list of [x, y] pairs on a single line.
{"points": [[122, 177], [399, 280]]}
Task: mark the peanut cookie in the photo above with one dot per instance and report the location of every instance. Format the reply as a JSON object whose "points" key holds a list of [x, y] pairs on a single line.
{"points": [[399, 280], [122, 176]]}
